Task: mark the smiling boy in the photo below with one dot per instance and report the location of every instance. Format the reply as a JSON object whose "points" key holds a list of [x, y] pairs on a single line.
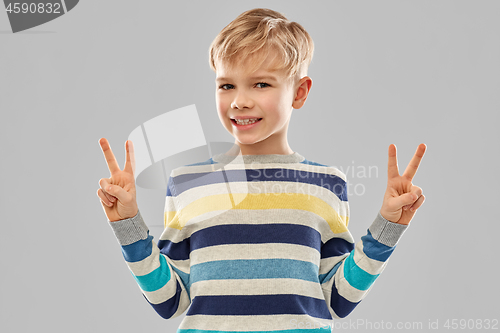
{"points": [[267, 94], [265, 257]]}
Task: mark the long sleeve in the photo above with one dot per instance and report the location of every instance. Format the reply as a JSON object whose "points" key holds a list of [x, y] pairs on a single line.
{"points": [[348, 270], [161, 271]]}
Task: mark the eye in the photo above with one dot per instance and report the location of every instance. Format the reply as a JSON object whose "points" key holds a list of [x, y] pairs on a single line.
{"points": [[223, 85], [263, 83]]}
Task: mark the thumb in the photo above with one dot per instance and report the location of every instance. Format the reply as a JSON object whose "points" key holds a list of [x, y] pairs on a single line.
{"points": [[117, 191], [405, 199]]}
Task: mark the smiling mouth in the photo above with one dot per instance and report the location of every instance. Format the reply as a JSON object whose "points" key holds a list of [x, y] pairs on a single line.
{"points": [[239, 124]]}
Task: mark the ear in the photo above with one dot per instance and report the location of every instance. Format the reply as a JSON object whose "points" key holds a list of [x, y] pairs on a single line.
{"points": [[301, 92]]}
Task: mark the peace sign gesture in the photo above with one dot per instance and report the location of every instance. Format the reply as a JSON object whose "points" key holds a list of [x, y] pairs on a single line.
{"points": [[402, 198], [117, 193]]}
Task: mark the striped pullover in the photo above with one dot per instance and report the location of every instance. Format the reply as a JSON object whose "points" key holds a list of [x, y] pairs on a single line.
{"points": [[256, 243]]}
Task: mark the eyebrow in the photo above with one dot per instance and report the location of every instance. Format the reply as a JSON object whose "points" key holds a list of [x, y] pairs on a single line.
{"points": [[251, 78]]}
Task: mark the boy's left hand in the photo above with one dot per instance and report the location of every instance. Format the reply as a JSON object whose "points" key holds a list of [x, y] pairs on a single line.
{"points": [[402, 198]]}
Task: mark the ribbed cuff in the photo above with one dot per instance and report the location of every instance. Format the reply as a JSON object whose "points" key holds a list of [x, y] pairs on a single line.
{"points": [[130, 230], [386, 232]]}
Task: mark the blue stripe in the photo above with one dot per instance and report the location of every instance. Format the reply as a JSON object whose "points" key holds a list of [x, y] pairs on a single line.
{"points": [[256, 234], [170, 186], [328, 276], [330, 182], [336, 247], [187, 181], [254, 305], [175, 251], [306, 161], [356, 276], [341, 306], [374, 249], [254, 269], [156, 279], [139, 250], [168, 308], [184, 279]]}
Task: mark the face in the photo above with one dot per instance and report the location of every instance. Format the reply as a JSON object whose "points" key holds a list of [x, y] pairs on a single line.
{"points": [[263, 94]]}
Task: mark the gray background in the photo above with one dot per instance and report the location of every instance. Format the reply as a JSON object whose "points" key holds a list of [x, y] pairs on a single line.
{"points": [[402, 72]]}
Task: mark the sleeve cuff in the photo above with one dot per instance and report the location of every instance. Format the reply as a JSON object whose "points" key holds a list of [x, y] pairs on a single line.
{"points": [[386, 232], [130, 230]]}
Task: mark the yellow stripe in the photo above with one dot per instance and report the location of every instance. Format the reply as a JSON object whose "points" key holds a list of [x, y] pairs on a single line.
{"points": [[171, 218], [338, 224]]}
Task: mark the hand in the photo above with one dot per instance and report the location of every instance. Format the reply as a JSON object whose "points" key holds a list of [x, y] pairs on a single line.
{"points": [[402, 198], [117, 193]]}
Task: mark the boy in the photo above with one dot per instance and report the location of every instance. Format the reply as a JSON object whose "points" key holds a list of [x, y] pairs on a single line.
{"points": [[262, 255]]}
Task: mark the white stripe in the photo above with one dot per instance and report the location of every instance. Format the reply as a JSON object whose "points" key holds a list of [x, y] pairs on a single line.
{"points": [[327, 264], [255, 251], [175, 235], [257, 287]]}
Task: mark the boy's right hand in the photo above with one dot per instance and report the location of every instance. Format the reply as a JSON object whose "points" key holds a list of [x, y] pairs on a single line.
{"points": [[117, 193]]}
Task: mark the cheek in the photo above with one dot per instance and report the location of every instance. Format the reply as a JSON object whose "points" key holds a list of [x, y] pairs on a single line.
{"points": [[222, 110], [276, 106], [222, 102]]}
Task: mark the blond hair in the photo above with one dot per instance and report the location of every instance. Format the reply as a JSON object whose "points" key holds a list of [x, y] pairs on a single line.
{"points": [[260, 31]]}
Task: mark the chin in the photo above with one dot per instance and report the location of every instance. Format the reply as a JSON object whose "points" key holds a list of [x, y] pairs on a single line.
{"points": [[249, 142]]}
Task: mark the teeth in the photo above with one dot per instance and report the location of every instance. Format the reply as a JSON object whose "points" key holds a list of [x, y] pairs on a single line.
{"points": [[246, 121]]}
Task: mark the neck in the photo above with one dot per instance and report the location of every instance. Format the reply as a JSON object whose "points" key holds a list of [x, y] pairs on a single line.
{"points": [[239, 149]]}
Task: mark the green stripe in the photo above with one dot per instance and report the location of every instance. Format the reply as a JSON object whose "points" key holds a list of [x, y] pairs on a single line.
{"points": [[156, 279], [356, 276]]}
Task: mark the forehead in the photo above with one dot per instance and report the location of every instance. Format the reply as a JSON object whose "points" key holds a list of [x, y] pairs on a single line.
{"points": [[243, 67]]}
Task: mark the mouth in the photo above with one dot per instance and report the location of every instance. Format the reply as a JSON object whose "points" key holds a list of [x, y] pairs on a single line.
{"points": [[244, 125]]}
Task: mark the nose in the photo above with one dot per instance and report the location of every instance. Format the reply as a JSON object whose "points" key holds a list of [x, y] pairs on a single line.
{"points": [[241, 100]]}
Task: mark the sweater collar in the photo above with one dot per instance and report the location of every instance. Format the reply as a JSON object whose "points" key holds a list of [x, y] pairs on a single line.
{"points": [[269, 158]]}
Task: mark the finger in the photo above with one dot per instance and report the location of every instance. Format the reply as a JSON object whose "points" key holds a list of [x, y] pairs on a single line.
{"points": [[403, 200], [130, 161], [392, 168], [418, 192], [412, 167], [103, 198], [109, 156], [418, 203], [118, 192], [104, 183]]}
